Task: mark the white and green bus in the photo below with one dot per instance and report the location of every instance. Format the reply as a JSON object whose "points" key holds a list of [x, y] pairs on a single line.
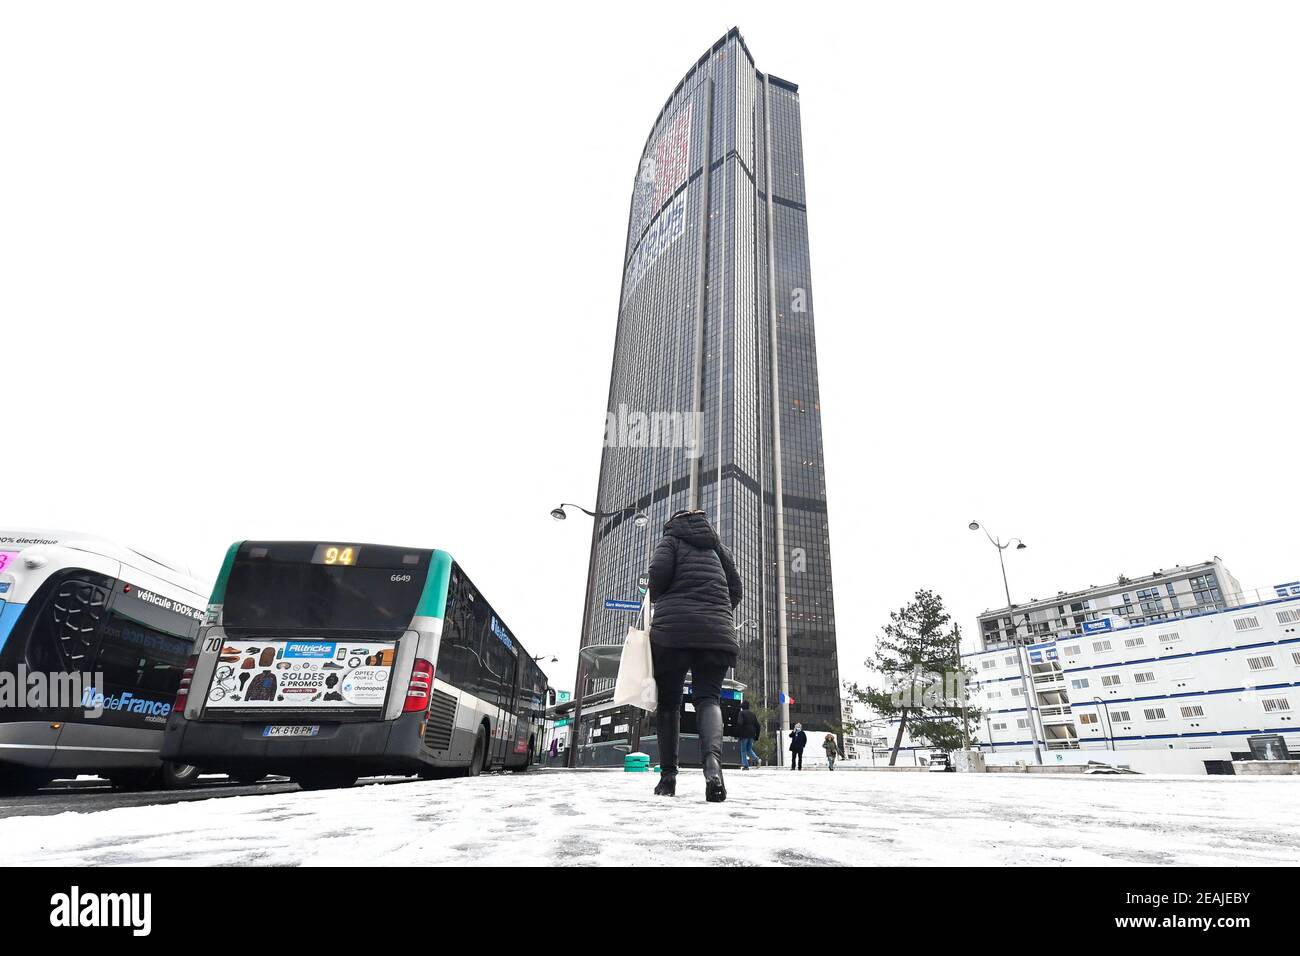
{"points": [[329, 661]]}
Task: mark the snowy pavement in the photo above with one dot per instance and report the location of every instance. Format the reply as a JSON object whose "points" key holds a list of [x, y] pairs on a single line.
{"points": [[772, 816]]}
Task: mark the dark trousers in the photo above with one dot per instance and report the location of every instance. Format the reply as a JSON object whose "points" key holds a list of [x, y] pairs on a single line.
{"points": [[796, 758], [707, 669]]}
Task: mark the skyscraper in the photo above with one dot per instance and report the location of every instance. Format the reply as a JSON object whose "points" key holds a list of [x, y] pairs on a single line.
{"points": [[715, 331]]}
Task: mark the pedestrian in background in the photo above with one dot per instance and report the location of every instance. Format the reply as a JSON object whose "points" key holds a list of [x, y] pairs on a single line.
{"points": [[798, 740], [694, 587], [832, 747], [747, 730]]}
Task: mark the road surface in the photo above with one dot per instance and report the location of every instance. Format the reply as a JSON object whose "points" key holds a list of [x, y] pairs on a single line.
{"points": [[773, 817]]}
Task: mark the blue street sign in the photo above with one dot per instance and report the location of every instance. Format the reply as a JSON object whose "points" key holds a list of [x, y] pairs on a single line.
{"points": [[612, 605], [1096, 627]]}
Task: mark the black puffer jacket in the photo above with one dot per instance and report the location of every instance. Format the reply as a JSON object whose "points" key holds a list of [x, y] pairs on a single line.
{"points": [[694, 587]]}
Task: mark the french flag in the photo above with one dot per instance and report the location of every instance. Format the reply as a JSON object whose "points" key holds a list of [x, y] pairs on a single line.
{"points": [[787, 698]]}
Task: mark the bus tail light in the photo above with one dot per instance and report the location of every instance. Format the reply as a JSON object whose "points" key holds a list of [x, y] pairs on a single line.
{"points": [[187, 677], [417, 693]]}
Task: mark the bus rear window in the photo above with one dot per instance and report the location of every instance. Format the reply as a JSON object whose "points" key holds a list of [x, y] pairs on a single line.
{"points": [[277, 586]]}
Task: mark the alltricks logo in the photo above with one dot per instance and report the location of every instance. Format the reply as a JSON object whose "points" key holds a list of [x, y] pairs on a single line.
{"points": [[75, 909]]}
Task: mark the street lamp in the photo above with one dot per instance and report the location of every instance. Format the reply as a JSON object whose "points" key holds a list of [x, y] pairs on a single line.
{"points": [[1105, 705], [1031, 703], [538, 657], [641, 520]]}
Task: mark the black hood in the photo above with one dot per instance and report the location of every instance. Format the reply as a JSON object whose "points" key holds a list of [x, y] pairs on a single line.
{"points": [[693, 528]]}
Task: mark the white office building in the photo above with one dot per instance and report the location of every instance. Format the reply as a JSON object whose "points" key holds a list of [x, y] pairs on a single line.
{"points": [[1169, 663]]}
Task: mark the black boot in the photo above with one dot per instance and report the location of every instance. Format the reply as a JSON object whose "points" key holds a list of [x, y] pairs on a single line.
{"points": [[668, 724], [709, 718]]}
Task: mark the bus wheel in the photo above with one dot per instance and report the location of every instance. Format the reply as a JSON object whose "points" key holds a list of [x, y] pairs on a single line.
{"points": [[178, 776], [480, 752], [327, 780]]}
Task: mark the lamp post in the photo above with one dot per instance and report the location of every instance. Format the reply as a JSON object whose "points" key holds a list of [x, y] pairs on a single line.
{"points": [[1105, 705], [1031, 703], [641, 520]]}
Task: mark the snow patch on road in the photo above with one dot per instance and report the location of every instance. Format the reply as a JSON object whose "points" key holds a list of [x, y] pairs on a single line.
{"points": [[772, 817]]}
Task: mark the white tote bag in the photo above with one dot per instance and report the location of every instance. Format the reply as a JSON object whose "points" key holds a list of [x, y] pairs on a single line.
{"points": [[636, 670]]}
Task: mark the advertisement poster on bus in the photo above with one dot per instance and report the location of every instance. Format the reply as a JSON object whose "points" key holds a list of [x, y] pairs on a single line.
{"points": [[293, 674]]}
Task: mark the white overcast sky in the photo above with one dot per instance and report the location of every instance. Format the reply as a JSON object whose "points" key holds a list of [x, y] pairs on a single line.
{"points": [[351, 271]]}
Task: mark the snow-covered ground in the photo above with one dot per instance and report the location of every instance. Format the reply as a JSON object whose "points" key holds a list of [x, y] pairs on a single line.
{"points": [[772, 816]]}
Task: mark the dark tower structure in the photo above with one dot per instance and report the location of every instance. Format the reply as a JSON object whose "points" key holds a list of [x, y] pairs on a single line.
{"points": [[713, 397]]}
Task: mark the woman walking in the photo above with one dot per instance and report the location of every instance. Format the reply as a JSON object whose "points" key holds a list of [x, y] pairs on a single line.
{"points": [[832, 747], [694, 587]]}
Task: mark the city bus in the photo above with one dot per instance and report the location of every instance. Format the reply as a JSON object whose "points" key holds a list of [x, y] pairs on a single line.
{"points": [[94, 638], [330, 661]]}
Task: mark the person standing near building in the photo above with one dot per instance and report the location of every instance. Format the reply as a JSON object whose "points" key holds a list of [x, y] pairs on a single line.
{"points": [[747, 730], [798, 740], [832, 747], [694, 587]]}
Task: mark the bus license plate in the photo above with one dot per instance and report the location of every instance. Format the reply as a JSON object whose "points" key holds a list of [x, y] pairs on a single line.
{"points": [[290, 730]]}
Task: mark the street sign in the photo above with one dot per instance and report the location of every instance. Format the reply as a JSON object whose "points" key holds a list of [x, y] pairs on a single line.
{"points": [[643, 583], [612, 605], [1096, 627]]}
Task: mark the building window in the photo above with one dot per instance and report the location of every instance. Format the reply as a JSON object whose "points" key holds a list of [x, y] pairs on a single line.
{"points": [[1192, 710], [1134, 641], [1248, 623], [1079, 683], [1154, 713], [1173, 637], [1273, 704], [1010, 661], [1144, 677], [1109, 680], [1261, 663], [1120, 715], [1099, 647], [1087, 718]]}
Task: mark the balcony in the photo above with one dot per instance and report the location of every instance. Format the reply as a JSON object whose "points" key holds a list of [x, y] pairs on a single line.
{"points": [[1056, 714]]}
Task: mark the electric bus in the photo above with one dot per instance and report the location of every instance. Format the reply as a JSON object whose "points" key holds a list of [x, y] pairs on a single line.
{"points": [[330, 661], [94, 638]]}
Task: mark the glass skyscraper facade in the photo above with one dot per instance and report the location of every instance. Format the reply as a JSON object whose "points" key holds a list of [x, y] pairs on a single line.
{"points": [[706, 292]]}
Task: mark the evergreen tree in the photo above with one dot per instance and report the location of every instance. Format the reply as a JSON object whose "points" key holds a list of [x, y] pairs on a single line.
{"points": [[919, 655]]}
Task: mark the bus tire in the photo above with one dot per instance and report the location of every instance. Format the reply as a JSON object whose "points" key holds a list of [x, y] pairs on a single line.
{"points": [[326, 780], [178, 776], [479, 756]]}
